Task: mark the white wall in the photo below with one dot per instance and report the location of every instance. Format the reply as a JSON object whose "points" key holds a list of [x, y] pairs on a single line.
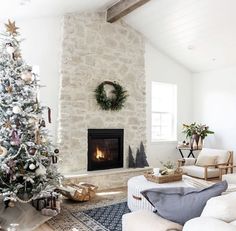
{"points": [[42, 47], [214, 103], [161, 68]]}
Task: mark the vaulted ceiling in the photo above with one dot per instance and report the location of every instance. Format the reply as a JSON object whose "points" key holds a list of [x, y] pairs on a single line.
{"points": [[199, 34]]}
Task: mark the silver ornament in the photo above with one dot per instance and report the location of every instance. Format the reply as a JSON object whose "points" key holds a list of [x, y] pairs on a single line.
{"points": [[32, 166], [16, 110], [27, 76]]}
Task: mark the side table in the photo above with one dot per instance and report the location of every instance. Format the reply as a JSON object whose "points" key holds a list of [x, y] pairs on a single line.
{"points": [[191, 150]]}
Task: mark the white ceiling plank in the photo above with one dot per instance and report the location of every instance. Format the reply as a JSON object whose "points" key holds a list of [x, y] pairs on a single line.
{"points": [[208, 27]]}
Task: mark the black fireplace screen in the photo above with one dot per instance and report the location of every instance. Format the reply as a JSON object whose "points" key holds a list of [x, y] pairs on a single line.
{"points": [[105, 149]]}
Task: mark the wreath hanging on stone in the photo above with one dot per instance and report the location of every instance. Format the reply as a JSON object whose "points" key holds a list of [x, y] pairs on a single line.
{"points": [[114, 102]]}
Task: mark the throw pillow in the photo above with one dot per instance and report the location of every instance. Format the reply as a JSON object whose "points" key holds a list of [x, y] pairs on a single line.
{"points": [[182, 203], [206, 160], [222, 207]]}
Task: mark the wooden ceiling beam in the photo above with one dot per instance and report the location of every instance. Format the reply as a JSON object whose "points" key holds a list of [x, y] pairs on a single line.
{"points": [[122, 8]]}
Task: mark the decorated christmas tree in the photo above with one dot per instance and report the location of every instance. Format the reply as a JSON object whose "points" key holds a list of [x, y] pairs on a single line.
{"points": [[27, 157]]}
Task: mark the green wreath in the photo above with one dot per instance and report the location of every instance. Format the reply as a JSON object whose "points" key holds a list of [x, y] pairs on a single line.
{"points": [[111, 103]]}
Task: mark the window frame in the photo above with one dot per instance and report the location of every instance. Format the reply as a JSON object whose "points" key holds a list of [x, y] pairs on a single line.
{"points": [[173, 113]]}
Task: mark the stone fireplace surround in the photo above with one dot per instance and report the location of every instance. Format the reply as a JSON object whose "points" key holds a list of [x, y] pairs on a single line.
{"points": [[94, 51]]}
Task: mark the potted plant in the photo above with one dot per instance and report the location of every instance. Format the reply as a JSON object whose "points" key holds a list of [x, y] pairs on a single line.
{"points": [[169, 168], [196, 132]]}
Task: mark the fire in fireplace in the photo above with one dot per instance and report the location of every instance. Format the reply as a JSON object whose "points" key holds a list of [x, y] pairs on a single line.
{"points": [[99, 155], [105, 149]]}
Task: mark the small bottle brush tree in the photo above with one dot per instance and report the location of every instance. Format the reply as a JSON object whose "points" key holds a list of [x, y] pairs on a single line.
{"points": [[131, 159], [27, 160], [141, 157]]}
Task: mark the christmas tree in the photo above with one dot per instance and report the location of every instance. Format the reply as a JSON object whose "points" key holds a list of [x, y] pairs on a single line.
{"points": [[27, 158]]}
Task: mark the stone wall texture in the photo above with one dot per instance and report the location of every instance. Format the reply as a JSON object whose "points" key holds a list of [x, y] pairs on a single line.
{"points": [[94, 51]]}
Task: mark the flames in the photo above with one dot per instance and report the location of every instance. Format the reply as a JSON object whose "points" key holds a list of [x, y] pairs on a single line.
{"points": [[99, 155]]}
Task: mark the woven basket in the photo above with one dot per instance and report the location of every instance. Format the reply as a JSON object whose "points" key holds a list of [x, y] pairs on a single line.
{"points": [[177, 176]]}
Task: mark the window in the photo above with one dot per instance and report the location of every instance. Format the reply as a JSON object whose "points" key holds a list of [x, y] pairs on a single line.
{"points": [[164, 100]]}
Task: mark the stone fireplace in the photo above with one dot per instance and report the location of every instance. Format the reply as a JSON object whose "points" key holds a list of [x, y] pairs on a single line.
{"points": [[105, 149], [94, 51]]}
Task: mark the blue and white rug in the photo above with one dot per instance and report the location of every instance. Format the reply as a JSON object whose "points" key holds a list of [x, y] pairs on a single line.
{"points": [[107, 218]]}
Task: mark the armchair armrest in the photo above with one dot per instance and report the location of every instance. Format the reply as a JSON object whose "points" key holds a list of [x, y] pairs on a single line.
{"points": [[215, 165], [186, 161], [227, 167], [224, 169], [221, 167]]}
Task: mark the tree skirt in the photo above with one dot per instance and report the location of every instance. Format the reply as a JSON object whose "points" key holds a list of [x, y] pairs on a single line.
{"points": [[25, 215], [107, 218]]}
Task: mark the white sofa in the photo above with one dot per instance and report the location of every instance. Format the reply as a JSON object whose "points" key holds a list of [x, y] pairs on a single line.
{"points": [[219, 214], [208, 224], [144, 220]]}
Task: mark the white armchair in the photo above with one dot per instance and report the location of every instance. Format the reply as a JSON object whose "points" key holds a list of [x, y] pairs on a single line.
{"points": [[210, 163]]}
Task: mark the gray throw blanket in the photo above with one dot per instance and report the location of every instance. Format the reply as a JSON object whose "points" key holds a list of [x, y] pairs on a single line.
{"points": [[180, 204]]}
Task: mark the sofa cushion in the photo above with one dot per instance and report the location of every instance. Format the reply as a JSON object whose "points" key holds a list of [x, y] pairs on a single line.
{"points": [[221, 207], [222, 155], [146, 220], [203, 160], [207, 224], [199, 172], [182, 204]]}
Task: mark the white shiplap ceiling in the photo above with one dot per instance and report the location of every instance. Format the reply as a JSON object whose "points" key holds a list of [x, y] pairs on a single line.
{"points": [[200, 34]]}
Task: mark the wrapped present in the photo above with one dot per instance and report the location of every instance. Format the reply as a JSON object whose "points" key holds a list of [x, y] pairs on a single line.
{"points": [[40, 203], [51, 201], [58, 206], [53, 206], [49, 212], [78, 192], [54, 159], [54, 203]]}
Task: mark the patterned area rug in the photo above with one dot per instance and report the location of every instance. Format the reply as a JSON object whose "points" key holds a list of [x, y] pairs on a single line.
{"points": [[107, 218]]}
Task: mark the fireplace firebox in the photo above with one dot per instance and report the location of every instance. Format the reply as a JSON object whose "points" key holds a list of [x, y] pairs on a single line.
{"points": [[105, 149]]}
